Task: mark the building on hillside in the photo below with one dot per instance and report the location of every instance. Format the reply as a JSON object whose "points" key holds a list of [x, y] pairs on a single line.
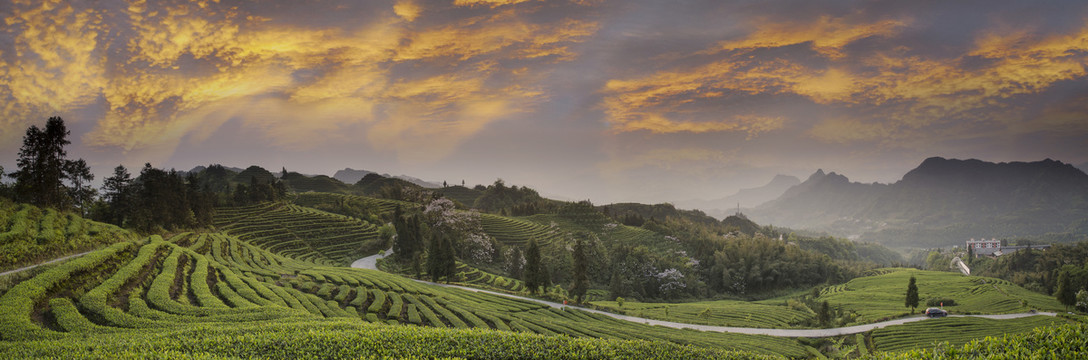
{"points": [[983, 247]]}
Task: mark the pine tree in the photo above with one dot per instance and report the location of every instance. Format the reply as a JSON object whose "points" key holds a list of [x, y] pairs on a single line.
{"points": [[1065, 293], [581, 279], [117, 192], [42, 166], [532, 273], [912, 295], [824, 315], [440, 261], [80, 176], [448, 261]]}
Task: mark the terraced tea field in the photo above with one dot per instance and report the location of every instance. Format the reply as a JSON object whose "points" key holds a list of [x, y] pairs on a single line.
{"points": [[954, 330], [302, 233], [881, 296], [155, 287], [271, 284], [29, 234], [718, 313]]}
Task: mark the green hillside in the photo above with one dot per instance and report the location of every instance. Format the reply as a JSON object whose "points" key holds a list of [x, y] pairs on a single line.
{"points": [[1052, 342], [160, 291], [301, 232], [863, 300], [272, 283], [29, 234], [881, 296]]}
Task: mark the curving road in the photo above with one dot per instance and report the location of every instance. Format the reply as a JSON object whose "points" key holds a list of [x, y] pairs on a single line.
{"points": [[370, 262]]}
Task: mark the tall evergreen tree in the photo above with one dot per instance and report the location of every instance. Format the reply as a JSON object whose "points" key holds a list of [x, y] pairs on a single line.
{"points": [[79, 174], [824, 315], [401, 247], [580, 284], [912, 295], [42, 166], [1065, 293], [448, 260], [201, 201], [532, 273], [408, 246], [440, 259], [117, 192]]}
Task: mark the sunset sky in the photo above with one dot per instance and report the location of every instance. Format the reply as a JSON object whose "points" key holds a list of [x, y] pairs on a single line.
{"points": [[646, 101]]}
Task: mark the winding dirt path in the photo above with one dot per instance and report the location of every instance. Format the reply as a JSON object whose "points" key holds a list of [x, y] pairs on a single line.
{"points": [[25, 268], [370, 262]]}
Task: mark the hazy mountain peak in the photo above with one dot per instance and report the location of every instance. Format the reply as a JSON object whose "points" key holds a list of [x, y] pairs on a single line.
{"points": [[940, 202], [832, 176], [783, 179], [350, 176], [747, 198]]}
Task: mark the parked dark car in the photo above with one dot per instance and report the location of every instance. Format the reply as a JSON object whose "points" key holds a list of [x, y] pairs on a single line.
{"points": [[936, 312]]}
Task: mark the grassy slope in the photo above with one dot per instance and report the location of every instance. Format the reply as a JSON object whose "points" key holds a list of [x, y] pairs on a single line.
{"points": [[29, 235], [874, 298], [341, 339], [719, 313], [144, 295], [881, 296], [206, 293], [955, 331], [1054, 342]]}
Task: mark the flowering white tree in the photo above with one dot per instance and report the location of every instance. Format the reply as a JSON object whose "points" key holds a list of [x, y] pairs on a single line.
{"points": [[461, 226], [671, 281]]}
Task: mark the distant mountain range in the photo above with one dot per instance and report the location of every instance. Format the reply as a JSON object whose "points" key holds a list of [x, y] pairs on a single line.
{"points": [[745, 198], [351, 176], [942, 202]]}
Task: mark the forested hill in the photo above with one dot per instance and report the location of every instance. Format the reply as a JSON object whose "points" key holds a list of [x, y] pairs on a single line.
{"points": [[941, 202]]}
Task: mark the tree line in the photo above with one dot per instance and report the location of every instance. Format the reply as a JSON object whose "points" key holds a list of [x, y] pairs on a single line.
{"points": [[154, 200]]}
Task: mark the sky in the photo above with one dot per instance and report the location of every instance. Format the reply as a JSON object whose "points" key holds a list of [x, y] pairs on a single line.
{"points": [[611, 101]]}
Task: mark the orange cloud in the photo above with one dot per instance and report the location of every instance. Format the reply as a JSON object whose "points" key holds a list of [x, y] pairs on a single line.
{"points": [[407, 9], [182, 70], [57, 64], [922, 91], [488, 3], [753, 125], [493, 34], [826, 34]]}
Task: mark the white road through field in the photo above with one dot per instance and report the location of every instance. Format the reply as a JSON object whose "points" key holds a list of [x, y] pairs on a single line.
{"points": [[370, 262]]}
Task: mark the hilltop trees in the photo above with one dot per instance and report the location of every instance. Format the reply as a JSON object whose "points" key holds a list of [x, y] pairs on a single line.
{"points": [[501, 199], [912, 295], [43, 169], [156, 200]]}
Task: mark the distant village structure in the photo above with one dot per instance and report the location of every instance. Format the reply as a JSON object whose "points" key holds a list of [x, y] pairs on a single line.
{"points": [[992, 247]]}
